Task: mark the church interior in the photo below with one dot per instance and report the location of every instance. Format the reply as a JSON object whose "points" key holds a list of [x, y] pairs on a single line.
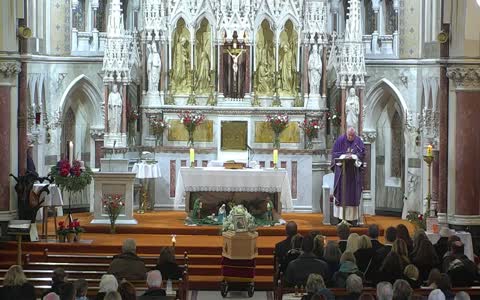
{"points": [[264, 149]]}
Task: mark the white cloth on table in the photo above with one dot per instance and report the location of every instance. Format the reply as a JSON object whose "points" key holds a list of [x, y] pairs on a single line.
{"points": [[52, 199], [146, 170], [465, 237], [215, 179]]}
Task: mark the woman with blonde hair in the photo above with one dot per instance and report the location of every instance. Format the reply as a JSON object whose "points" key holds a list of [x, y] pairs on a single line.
{"points": [[352, 242], [364, 253], [319, 245], [16, 285], [411, 275]]}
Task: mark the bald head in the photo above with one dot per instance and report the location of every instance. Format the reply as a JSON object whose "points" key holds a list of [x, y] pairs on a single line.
{"points": [[291, 228], [351, 133]]}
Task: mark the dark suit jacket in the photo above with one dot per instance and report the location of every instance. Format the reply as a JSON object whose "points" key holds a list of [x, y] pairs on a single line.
{"points": [[363, 257], [376, 245], [152, 294], [22, 292], [128, 266], [298, 270], [170, 271], [377, 260], [441, 247], [281, 249]]}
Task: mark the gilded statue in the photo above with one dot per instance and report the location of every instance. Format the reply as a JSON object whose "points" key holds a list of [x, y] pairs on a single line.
{"points": [[203, 64], [264, 57], [287, 63], [181, 60]]}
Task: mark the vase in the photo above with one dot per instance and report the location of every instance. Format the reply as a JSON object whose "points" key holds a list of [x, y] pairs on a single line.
{"points": [[61, 238], [308, 144], [70, 237], [190, 143], [112, 228], [159, 140], [276, 140], [78, 236], [131, 133]]}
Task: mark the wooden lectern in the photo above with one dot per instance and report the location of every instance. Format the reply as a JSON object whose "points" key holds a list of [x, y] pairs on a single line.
{"points": [[346, 161]]}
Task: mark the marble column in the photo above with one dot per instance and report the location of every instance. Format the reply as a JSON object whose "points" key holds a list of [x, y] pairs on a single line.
{"points": [[368, 203], [435, 179], [8, 164], [22, 120], [124, 108], [466, 146], [342, 109], [443, 141]]}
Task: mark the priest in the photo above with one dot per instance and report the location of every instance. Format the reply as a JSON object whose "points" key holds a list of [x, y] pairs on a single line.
{"points": [[351, 146]]}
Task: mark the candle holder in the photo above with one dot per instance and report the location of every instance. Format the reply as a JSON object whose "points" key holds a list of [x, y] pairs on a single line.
{"points": [[192, 158], [429, 160]]}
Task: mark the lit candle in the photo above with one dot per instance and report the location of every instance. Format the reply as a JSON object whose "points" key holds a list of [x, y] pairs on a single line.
{"points": [[429, 150], [174, 240], [70, 152], [192, 157], [275, 157]]}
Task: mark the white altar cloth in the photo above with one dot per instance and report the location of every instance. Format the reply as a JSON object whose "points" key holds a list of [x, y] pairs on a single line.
{"points": [[146, 170], [464, 236], [215, 179]]}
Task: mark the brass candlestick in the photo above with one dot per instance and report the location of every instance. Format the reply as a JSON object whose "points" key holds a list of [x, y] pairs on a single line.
{"points": [[143, 204], [429, 159]]}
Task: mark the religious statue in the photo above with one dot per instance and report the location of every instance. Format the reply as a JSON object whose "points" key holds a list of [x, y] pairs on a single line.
{"points": [[235, 72], [197, 209], [181, 61], [269, 212], [222, 211], [154, 65], [352, 109], [114, 110], [351, 146], [203, 71], [314, 71], [286, 69], [235, 61], [264, 74]]}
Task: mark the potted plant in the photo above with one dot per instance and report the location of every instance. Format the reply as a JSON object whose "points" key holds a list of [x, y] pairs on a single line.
{"points": [[113, 204], [78, 230], [191, 120], [310, 130], [417, 219], [62, 231], [278, 123], [70, 232]]}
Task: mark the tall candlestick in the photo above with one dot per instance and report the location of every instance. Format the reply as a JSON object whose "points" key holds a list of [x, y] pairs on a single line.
{"points": [[70, 152], [429, 150], [275, 157], [192, 157]]}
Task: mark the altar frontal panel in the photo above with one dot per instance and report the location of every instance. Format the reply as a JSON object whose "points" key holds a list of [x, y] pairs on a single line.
{"points": [[264, 133], [178, 133]]}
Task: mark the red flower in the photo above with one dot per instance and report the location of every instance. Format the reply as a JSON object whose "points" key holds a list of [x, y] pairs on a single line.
{"points": [[420, 217], [64, 172]]}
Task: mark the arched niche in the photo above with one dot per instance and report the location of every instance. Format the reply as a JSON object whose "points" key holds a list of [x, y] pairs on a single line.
{"points": [[264, 60], [181, 63], [203, 58], [287, 60]]}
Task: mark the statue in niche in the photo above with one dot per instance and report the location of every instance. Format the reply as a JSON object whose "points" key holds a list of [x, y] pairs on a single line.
{"points": [[352, 109], [265, 60], [314, 70], [181, 60], [287, 60], [114, 110], [234, 61], [203, 60], [154, 66]]}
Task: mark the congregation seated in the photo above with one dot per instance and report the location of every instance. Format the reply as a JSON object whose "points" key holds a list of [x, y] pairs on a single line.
{"points": [[154, 284], [51, 296], [128, 265], [282, 247], [293, 253], [411, 275], [461, 270], [364, 253], [403, 234], [67, 291], [331, 255], [167, 265], [401, 290], [418, 236], [373, 233], [443, 243], [127, 291], [433, 278], [59, 277], [113, 295], [425, 258], [343, 232], [348, 267], [81, 289], [445, 285], [354, 287], [316, 286], [384, 290], [318, 245], [307, 263], [108, 283], [16, 285]]}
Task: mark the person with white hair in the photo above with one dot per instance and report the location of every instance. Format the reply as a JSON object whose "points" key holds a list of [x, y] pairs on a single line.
{"points": [[108, 283], [401, 290], [436, 295], [384, 290], [51, 296], [154, 284], [113, 295], [462, 295], [354, 286], [128, 265]]}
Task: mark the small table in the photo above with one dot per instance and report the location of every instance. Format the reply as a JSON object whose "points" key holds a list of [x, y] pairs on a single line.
{"points": [[52, 200], [464, 236], [146, 170]]}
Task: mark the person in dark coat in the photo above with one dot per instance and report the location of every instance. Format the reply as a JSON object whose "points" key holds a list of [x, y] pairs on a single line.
{"points": [[343, 231], [381, 254], [402, 233], [128, 265], [16, 285], [364, 253], [167, 264], [348, 266], [461, 270], [307, 263], [281, 248], [373, 232], [154, 284], [293, 253], [425, 259], [332, 255]]}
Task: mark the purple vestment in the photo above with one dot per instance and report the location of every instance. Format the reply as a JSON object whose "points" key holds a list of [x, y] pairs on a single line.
{"points": [[354, 175]]}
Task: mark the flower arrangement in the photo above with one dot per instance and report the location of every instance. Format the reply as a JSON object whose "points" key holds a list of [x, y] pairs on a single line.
{"points": [[66, 231], [113, 204], [158, 126], [191, 120], [334, 117], [132, 117], [239, 210], [76, 226], [417, 219], [62, 230], [310, 129], [278, 123], [72, 178]]}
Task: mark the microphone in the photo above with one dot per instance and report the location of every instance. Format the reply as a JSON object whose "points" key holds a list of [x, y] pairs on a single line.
{"points": [[114, 143]]}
